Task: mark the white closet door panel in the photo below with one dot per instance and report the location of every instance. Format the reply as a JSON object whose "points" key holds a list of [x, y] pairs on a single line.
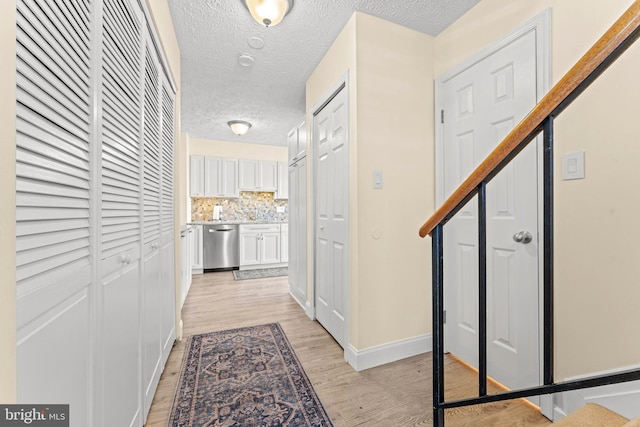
{"points": [[35, 304], [64, 331], [53, 201]]}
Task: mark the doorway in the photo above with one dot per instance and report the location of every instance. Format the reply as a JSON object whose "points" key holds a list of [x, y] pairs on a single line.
{"points": [[330, 143], [478, 104]]}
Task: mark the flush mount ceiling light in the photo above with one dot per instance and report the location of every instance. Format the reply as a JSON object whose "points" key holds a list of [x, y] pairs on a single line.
{"points": [[239, 127], [268, 12]]}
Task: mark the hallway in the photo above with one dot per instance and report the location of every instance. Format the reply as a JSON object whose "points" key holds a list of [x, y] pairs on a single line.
{"points": [[397, 394]]}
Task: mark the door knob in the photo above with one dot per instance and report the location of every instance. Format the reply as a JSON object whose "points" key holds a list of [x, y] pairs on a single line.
{"points": [[523, 237]]}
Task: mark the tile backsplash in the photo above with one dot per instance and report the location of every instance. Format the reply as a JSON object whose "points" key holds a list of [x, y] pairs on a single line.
{"points": [[250, 206]]}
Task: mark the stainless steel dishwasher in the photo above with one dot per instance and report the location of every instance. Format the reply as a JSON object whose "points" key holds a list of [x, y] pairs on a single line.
{"points": [[221, 247]]}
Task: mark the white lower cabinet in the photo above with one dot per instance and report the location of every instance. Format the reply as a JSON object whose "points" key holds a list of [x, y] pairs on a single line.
{"points": [[259, 244], [197, 254]]}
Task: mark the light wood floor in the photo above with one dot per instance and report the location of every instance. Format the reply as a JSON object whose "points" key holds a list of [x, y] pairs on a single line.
{"points": [[396, 394]]}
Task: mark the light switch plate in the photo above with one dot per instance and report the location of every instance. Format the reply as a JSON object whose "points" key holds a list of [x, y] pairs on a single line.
{"points": [[377, 180], [280, 209], [573, 166]]}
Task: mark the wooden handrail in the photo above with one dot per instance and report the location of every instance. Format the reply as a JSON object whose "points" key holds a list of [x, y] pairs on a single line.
{"points": [[626, 26]]}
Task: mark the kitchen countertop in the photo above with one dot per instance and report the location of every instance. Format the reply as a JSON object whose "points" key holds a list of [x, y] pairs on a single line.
{"points": [[235, 222]]}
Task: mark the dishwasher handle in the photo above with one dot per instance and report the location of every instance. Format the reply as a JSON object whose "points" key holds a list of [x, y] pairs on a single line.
{"points": [[211, 230]]}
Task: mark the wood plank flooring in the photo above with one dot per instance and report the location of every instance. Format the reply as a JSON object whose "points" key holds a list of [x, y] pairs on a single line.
{"points": [[396, 394]]}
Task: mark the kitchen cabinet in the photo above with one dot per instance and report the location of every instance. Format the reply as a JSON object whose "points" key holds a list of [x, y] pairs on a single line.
{"points": [[259, 244], [221, 177], [258, 175], [283, 181], [196, 174], [297, 142], [197, 260], [284, 242]]}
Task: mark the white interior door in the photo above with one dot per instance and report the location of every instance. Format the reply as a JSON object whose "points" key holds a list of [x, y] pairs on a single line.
{"points": [[332, 178], [481, 105]]}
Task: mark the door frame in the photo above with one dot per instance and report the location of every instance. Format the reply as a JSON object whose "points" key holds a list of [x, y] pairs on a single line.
{"points": [[341, 84], [540, 25]]}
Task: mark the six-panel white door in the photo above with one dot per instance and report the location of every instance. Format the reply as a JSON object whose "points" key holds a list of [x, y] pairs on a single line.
{"points": [[332, 228], [481, 105]]}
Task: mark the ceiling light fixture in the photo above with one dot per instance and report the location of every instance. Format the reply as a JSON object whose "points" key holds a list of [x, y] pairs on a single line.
{"points": [[239, 127], [268, 12]]}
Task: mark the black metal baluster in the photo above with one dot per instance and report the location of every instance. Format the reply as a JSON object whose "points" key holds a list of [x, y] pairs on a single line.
{"points": [[437, 250], [548, 250], [482, 289]]}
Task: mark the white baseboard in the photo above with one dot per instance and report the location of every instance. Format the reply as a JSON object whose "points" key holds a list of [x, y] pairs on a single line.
{"points": [[387, 353], [621, 398]]}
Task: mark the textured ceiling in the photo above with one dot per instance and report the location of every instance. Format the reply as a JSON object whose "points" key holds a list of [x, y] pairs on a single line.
{"points": [[270, 94]]}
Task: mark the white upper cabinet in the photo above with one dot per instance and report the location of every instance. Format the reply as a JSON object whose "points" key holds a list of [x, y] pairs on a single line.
{"points": [[212, 175], [220, 177], [229, 178], [258, 175], [196, 175], [248, 174], [297, 142], [268, 175]]}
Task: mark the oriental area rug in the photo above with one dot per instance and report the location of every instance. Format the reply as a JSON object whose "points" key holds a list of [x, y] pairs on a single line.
{"points": [[244, 377], [260, 273]]}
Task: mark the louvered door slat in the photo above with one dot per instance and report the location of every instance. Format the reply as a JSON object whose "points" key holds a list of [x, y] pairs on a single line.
{"points": [[55, 96], [68, 35], [52, 238], [71, 29], [121, 130], [78, 18], [43, 136], [47, 70], [50, 38]]}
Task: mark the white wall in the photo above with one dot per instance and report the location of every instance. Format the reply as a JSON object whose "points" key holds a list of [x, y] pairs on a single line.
{"points": [[596, 267], [8, 202], [391, 129]]}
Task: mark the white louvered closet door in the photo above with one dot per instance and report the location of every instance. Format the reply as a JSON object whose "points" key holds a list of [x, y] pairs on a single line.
{"points": [[167, 219], [152, 362], [53, 144], [121, 222]]}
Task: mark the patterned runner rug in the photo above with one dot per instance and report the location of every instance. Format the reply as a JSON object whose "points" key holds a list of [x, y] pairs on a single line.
{"points": [[243, 378], [260, 273]]}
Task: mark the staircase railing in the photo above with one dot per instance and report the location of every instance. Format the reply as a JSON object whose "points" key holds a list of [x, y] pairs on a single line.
{"points": [[604, 52]]}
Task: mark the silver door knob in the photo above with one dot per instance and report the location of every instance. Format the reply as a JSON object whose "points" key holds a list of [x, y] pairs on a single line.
{"points": [[523, 237]]}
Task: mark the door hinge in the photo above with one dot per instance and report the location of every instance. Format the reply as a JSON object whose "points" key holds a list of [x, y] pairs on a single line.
{"points": [[441, 116], [444, 316]]}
